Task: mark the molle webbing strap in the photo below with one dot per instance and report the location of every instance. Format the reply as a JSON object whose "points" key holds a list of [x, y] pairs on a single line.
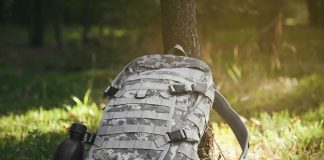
{"points": [[99, 140], [205, 109], [136, 114], [191, 87], [152, 101], [194, 119], [163, 61], [184, 134], [197, 121], [188, 152], [131, 144], [143, 86], [210, 94], [234, 121], [108, 130], [163, 76], [178, 135], [201, 87], [186, 73], [171, 61], [146, 85], [169, 125]]}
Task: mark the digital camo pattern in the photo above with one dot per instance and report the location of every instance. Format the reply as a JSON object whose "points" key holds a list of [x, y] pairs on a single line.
{"points": [[144, 87]]}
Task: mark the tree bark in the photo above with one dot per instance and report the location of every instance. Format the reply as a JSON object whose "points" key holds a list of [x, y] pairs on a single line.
{"points": [[270, 25], [2, 4], [270, 35], [58, 33], [179, 25], [86, 20], [316, 11], [56, 10], [37, 24]]}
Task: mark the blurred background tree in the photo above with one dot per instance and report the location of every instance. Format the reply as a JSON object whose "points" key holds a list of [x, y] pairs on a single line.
{"points": [[316, 11], [93, 18]]}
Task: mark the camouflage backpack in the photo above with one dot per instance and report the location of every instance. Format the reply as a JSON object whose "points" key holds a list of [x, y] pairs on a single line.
{"points": [[158, 108]]}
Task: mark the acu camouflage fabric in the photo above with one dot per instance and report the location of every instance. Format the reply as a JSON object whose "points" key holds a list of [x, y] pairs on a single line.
{"points": [[158, 94]]}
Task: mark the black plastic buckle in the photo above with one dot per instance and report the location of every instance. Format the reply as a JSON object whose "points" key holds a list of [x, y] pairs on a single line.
{"points": [[89, 138], [177, 135], [110, 91]]}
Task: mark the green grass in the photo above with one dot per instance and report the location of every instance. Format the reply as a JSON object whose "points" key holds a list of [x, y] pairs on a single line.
{"points": [[279, 135], [20, 136], [282, 135], [283, 106]]}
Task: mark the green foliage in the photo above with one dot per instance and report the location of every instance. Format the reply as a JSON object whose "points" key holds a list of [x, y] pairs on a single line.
{"points": [[235, 72], [54, 120], [279, 135], [283, 107], [36, 133], [285, 92]]}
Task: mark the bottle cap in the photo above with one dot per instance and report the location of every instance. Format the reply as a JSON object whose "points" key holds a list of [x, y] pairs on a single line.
{"points": [[78, 128]]}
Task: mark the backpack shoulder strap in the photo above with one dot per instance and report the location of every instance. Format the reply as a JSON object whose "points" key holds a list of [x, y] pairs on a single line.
{"points": [[224, 109]]}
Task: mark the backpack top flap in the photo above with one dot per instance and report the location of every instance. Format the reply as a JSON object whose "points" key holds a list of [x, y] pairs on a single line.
{"points": [[157, 61]]}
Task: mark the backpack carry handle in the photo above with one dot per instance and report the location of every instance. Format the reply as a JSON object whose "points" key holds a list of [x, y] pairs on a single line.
{"points": [[177, 50]]}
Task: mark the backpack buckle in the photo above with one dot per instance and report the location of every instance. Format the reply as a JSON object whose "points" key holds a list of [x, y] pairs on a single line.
{"points": [[89, 138], [177, 135], [110, 91], [180, 88]]}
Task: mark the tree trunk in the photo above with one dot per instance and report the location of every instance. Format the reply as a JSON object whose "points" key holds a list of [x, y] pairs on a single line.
{"points": [[86, 12], [179, 25], [316, 12], [2, 5], [58, 33], [270, 25], [37, 24], [55, 13], [270, 35]]}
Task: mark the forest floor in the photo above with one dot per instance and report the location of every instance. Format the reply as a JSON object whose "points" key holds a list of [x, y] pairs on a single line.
{"points": [[42, 91]]}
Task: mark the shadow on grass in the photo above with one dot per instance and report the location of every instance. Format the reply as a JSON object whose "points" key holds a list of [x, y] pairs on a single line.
{"points": [[36, 146], [49, 90], [46, 77]]}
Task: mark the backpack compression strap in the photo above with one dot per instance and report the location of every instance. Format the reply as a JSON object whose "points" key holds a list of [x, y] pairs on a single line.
{"points": [[224, 109]]}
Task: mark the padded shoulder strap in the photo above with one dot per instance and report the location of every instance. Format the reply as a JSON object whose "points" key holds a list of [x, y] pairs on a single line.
{"points": [[224, 109]]}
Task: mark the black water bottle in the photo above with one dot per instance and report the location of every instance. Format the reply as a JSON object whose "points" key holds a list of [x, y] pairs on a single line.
{"points": [[72, 148]]}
